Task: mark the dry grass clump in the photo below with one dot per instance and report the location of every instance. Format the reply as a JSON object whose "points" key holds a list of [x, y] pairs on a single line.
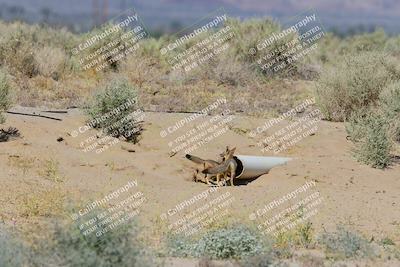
{"points": [[50, 62], [51, 171], [43, 203], [21, 162]]}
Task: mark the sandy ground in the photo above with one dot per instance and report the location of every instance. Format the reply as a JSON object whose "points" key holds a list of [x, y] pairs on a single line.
{"points": [[355, 195]]}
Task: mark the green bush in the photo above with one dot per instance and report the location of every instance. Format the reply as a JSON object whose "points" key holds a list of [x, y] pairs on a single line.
{"points": [[233, 242], [347, 244], [389, 103], [111, 111], [12, 253], [355, 83], [118, 247], [369, 131], [5, 89]]}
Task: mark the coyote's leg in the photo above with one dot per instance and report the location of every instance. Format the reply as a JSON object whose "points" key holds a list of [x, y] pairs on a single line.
{"points": [[207, 180], [233, 172], [206, 176], [196, 172], [218, 179], [225, 177]]}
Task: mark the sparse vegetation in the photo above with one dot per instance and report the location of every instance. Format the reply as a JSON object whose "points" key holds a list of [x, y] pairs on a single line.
{"points": [[262, 260], [51, 171], [387, 242], [118, 247], [21, 162], [43, 203], [346, 244]]}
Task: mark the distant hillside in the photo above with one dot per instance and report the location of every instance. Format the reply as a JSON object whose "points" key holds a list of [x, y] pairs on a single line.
{"points": [[170, 15]]}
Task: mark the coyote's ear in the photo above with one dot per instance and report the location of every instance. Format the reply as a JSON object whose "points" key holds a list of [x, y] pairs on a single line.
{"points": [[233, 149], [227, 148]]}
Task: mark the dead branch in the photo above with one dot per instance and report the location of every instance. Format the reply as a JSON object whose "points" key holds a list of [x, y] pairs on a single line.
{"points": [[33, 115]]}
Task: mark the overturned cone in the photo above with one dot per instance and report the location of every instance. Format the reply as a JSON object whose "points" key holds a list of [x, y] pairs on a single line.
{"points": [[250, 167]]}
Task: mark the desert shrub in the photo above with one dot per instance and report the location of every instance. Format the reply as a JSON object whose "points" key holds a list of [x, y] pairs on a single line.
{"points": [[112, 108], [374, 41], [355, 83], [347, 244], [248, 34], [392, 46], [356, 124], [301, 236], [17, 52], [118, 247], [50, 61], [5, 89], [369, 131], [107, 44], [233, 242], [150, 49], [328, 48], [389, 104], [12, 253]]}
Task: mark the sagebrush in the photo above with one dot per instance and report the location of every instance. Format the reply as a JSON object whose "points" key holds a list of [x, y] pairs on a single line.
{"points": [[389, 104], [5, 90], [12, 252], [118, 247], [112, 109], [233, 242], [369, 131], [352, 84]]}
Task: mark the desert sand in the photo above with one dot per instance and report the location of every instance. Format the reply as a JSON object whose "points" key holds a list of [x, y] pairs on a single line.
{"points": [[354, 194]]}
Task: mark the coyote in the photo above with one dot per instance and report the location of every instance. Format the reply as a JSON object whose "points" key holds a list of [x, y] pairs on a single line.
{"points": [[207, 163], [228, 166]]}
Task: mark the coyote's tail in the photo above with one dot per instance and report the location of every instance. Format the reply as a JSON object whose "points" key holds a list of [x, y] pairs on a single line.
{"points": [[217, 169], [195, 159]]}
